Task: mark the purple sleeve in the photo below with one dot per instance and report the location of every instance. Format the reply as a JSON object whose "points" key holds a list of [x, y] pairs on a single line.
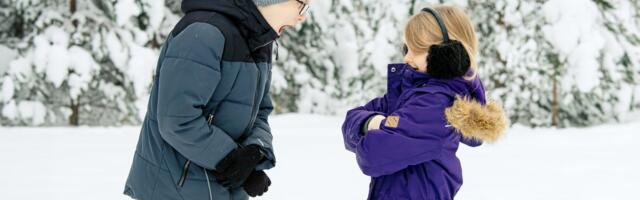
{"points": [[416, 138], [470, 141], [378, 104], [355, 119]]}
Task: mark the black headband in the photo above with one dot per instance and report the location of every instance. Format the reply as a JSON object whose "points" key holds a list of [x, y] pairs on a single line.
{"points": [[443, 28]]}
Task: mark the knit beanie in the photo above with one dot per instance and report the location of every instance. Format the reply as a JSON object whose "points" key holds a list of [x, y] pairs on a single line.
{"points": [[267, 2]]}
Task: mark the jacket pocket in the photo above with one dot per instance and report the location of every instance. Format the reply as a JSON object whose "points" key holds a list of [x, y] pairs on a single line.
{"points": [[187, 163], [185, 171]]}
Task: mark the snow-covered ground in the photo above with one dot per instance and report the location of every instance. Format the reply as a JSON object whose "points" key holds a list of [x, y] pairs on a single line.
{"points": [[92, 163]]}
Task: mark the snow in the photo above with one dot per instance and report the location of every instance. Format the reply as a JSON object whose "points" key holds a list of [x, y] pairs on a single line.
{"points": [[6, 89], [322, 7], [33, 111], [93, 163], [84, 68], [6, 56], [9, 110], [277, 77], [576, 34], [20, 68], [51, 54], [117, 51], [136, 61], [141, 67], [125, 9], [383, 46], [346, 52], [156, 13], [625, 96], [53, 57]]}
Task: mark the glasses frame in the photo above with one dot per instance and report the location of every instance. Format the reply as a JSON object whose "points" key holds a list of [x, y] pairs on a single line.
{"points": [[304, 9]]}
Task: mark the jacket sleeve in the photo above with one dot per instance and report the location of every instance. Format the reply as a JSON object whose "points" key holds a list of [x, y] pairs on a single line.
{"points": [[470, 141], [416, 137], [189, 74], [377, 105], [261, 132], [355, 119]]}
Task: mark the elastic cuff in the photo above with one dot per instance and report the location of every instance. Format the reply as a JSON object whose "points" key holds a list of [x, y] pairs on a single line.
{"points": [[365, 127]]}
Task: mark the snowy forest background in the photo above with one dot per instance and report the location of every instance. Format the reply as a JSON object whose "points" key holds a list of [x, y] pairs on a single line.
{"points": [[564, 63]]}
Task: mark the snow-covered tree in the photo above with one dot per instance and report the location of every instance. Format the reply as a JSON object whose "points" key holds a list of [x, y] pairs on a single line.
{"points": [[81, 62], [338, 57], [549, 65], [551, 62], [553, 66]]}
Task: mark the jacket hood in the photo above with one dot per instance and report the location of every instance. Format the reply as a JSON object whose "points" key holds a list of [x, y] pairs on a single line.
{"points": [[471, 114], [477, 121], [243, 13]]}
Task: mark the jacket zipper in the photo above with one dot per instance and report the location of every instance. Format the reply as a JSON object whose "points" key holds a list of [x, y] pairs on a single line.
{"points": [[210, 118], [185, 168], [277, 48], [253, 110], [265, 44]]}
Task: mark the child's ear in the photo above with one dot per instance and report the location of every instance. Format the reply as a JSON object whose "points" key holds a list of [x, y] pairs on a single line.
{"points": [[448, 60]]}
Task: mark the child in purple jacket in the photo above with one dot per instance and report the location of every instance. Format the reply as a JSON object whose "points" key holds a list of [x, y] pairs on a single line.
{"points": [[407, 139]]}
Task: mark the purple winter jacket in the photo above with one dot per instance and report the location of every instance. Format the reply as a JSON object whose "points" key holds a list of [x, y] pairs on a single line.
{"points": [[416, 157]]}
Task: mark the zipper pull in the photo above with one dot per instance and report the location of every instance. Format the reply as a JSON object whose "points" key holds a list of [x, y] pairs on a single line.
{"points": [[277, 47], [210, 119], [185, 170]]}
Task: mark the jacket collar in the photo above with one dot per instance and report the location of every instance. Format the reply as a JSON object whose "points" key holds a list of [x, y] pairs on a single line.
{"points": [[407, 76], [411, 79], [243, 13]]}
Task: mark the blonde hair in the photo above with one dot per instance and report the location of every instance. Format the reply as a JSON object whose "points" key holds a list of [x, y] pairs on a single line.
{"points": [[422, 31]]}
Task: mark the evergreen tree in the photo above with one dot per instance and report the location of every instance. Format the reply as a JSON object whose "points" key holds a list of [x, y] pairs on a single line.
{"points": [[81, 62], [551, 70], [338, 57], [551, 62]]}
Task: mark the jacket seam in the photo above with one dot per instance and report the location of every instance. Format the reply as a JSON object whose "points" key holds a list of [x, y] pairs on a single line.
{"points": [[438, 155], [237, 102], [164, 160], [193, 60]]}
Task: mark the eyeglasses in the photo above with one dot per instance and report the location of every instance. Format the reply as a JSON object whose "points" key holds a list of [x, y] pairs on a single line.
{"points": [[304, 9]]}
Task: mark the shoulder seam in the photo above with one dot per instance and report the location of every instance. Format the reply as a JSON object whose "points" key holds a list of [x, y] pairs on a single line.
{"points": [[193, 60]]}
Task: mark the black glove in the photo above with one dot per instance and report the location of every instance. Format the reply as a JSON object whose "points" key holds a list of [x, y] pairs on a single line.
{"points": [[257, 183], [238, 165]]}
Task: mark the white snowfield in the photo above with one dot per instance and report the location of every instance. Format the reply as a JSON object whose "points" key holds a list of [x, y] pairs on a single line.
{"points": [[92, 163]]}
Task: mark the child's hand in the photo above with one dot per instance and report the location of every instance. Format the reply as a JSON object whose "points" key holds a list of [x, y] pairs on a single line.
{"points": [[374, 122]]}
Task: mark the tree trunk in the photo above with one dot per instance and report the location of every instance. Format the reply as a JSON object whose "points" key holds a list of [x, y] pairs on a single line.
{"points": [[72, 6], [74, 119], [554, 59], [412, 8], [554, 104]]}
